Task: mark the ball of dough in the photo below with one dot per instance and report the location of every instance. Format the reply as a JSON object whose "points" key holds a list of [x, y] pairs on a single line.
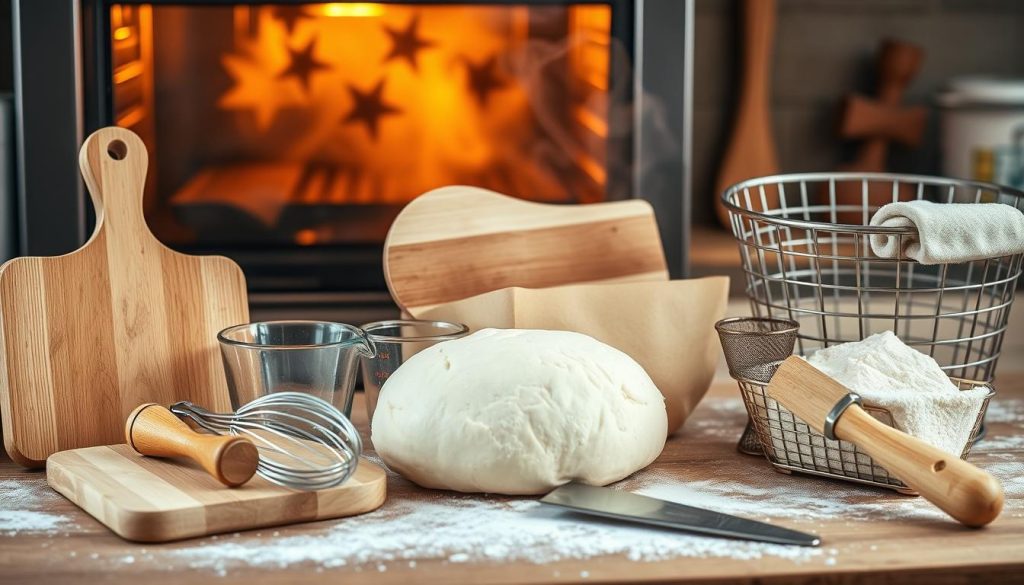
{"points": [[515, 411]]}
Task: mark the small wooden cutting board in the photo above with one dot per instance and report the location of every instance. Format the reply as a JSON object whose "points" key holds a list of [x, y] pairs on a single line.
{"points": [[457, 242], [88, 336], [156, 500]]}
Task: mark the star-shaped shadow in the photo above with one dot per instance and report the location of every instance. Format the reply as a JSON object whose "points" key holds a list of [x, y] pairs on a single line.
{"points": [[369, 107], [483, 79], [290, 16], [303, 64], [257, 89], [407, 43]]}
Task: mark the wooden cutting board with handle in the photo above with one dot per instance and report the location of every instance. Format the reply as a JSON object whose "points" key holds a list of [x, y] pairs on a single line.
{"points": [[157, 500], [456, 242], [88, 336]]}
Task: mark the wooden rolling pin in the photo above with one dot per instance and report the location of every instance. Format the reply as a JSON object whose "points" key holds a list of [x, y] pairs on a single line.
{"points": [[965, 492], [153, 430]]}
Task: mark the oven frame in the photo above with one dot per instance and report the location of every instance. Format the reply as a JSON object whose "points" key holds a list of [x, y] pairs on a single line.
{"points": [[56, 109]]}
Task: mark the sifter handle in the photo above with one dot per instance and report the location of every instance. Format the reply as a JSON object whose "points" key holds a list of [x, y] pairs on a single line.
{"points": [[153, 430], [965, 492]]}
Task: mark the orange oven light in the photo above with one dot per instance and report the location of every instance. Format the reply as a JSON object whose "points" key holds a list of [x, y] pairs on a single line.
{"points": [[305, 237], [338, 9], [122, 33]]}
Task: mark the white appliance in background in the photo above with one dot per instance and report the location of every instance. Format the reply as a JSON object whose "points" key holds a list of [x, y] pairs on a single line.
{"points": [[982, 121]]}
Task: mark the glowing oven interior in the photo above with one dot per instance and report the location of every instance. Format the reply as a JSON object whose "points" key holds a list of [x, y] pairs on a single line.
{"points": [[313, 124]]}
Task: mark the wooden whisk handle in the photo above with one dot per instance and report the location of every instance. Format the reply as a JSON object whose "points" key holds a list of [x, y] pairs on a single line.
{"points": [[153, 430]]}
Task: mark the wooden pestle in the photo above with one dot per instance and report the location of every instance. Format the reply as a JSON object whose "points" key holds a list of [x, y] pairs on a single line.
{"points": [[751, 150], [965, 492], [153, 430]]}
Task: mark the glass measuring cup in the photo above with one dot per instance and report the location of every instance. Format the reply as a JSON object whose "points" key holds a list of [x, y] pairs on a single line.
{"points": [[396, 341], [314, 357]]}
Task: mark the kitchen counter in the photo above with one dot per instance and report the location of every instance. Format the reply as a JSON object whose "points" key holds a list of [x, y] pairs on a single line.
{"points": [[869, 535]]}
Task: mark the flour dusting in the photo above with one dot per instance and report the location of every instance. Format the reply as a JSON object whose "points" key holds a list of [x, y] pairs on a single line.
{"points": [[21, 503], [462, 529], [1005, 411], [14, 521], [466, 529], [1002, 412]]}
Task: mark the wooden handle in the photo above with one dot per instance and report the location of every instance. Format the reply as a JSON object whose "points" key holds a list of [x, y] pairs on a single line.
{"points": [[153, 430], [114, 162], [758, 38], [965, 492], [751, 149], [898, 63], [867, 118]]}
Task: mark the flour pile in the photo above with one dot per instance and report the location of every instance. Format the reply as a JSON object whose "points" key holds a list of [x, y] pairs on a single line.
{"points": [[923, 401], [22, 508]]}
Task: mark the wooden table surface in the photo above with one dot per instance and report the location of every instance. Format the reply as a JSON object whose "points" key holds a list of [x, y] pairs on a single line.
{"points": [[870, 535]]}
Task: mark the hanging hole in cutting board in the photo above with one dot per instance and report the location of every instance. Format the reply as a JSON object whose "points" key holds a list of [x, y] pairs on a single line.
{"points": [[117, 149], [938, 466]]}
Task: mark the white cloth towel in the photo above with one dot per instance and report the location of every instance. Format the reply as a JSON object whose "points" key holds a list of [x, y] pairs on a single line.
{"points": [[949, 233]]}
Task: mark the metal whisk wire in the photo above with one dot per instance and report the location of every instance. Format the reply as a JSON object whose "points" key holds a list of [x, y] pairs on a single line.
{"points": [[304, 442]]}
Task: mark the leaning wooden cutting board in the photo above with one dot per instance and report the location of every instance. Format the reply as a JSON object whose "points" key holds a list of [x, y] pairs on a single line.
{"points": [[155, 500], [456, 242], [88, 336]]}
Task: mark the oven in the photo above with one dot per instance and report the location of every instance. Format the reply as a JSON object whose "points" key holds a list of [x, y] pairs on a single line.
{"points": [[287, 135]]}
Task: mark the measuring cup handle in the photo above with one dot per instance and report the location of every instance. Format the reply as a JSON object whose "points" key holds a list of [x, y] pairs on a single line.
{"points": [[366, 347]]}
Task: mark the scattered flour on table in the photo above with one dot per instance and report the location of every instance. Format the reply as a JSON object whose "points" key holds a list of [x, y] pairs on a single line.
{"points": [[911, 385], [999, 438], [1005, 410], [468, 529], [722, 423], [1011, 475], [13, 522], [463, 529], [21, 503]]}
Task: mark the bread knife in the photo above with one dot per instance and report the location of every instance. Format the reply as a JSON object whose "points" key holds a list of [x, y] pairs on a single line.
{"points": [[623, 505]]}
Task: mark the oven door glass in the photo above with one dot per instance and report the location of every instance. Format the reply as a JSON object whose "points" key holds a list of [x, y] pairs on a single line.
{"points": [[294, 126]]}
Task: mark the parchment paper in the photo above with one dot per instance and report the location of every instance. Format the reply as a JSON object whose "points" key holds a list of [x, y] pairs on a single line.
{"points": [[668, 327]]}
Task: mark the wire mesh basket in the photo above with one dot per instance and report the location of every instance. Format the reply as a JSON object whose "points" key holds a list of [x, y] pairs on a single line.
{"points": [[804, 245], [754, 348], [790, 445]]}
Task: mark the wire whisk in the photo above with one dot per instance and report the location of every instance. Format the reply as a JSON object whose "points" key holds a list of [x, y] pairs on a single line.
{"points": [[304, 442]]}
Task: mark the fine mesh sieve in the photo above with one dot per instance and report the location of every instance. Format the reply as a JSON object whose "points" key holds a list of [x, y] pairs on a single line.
{"points": [[754, 347]]}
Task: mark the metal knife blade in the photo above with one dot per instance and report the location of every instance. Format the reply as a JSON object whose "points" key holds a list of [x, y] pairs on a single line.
{"points": [[621, 505]]}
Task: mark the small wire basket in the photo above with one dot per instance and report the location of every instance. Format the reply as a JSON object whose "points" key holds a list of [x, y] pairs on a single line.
{"points": [[790, 445], [804, 245], [754, 348]]}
